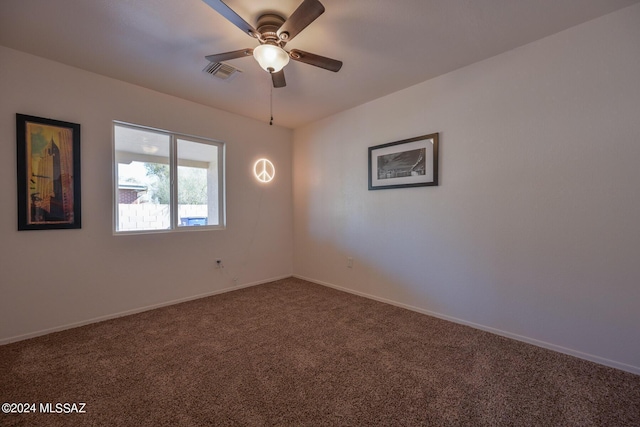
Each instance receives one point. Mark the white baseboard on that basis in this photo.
(596, 359)
(133, 311)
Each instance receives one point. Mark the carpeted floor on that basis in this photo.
(292, 353)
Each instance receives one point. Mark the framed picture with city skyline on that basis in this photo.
(48, 173)
(408, 163)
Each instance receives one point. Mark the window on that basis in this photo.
(166, 181)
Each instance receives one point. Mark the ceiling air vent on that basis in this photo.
(222, 71)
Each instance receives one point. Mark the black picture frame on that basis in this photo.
(410, 162)
(48, 155)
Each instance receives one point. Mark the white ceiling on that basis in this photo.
(385, 45)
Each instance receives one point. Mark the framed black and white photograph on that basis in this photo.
(408, 163)
(48, 173)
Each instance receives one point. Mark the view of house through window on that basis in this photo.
(148, 161)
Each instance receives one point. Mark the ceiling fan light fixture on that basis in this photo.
(270, 57)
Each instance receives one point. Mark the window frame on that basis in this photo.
(174, 221)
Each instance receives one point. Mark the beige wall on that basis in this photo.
(534, 231)
(56, 278)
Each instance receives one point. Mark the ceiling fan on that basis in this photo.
(274, 32)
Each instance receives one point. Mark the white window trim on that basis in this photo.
(174, 136)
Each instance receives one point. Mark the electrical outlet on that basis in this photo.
(349, 262)
(219, 263)
(235, 280)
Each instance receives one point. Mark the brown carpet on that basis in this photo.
(292, 353)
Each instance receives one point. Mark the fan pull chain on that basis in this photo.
(271, 104)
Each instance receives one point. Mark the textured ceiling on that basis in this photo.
(385, 45)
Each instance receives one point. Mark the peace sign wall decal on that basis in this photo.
(264, 170)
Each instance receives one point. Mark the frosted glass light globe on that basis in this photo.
(271, 58)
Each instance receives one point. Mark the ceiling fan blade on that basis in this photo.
(278, 79)
(317, 60)
(224, 10)
(304, 15)
(219, 57)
